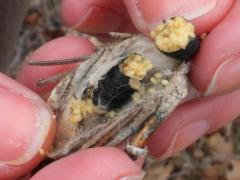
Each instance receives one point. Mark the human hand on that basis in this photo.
(189, 121)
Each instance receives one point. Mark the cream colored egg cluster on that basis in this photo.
(173, 35)
(81, 109)
(136, 67)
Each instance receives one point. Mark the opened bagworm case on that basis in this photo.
(124, 91)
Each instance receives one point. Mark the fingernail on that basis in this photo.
(185, 137)
(226, 77)
(24, 125)
(99, 20)
(155, 11)
(134, 177)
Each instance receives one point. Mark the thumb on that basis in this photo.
(26, 126)
(96, 163)
(205, 14)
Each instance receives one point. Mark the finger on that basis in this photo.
(216, 67)
(97, 163)
(96, 16)
(27, 125)
(61, 48)
(192, 120)
(205, 14)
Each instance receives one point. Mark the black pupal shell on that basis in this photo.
(187, 53)
(113, 90)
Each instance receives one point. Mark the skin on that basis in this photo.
(214, 74)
